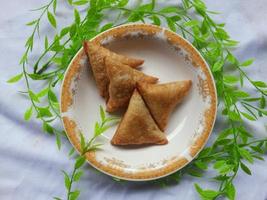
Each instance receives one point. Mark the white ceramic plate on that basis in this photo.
(168, 57)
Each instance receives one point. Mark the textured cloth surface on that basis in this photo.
(30, 163)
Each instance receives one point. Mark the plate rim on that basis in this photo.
(69, 124)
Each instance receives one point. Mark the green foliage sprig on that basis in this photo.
(234, 147)
(76, 174)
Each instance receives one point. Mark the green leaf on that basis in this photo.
(201, 165)
(82, 140)
(247, 63)
(64, 31)
(78, 175)
(230, 191)
(260, 84)
(58, 141)
(52, 96)
(54, 6)
(171, 24)
(232, 59)
(66, 180)
(74, 195)
(248, 116)
(15, 78)
(146, 7)
(73, 30)
(245, 168)
(240, 94)
(80, 2)
(217, 66)
(234, 116)
(79, 162)
(170, 9)
(219, 164)
(43, 92)
(77, 16)
(57, 198)
(206, 194)
(106, 27)
(156, 20)
(102, 114)
(262, 102)
(32, 23)
(46, 42)
(33, 96)
(230, 79)
(191, 23)
(123, 3)
(51, 19)
(194, 173)
(72, 150)
(47, 128)
(44, 112)
(28, 114)
(246, 154)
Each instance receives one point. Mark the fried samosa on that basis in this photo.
(96, 55)
(137, 126)
(161, 99)
(122, 83)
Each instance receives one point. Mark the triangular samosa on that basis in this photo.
(96, 55)
(137, 126)
(122, 83)
(161, 99)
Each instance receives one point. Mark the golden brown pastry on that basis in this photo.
(122, 83)
(161, 99)
(137, 126)
(96, 55)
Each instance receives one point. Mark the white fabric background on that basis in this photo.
(30, 163)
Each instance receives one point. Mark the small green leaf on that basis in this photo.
(82, 140)
(32, 23)
(77, 16)
(64, 31)
(74, 195)
(240, 94)
(145, 7)
(248, 116)
(73, 30)
(44, 112)
(123, 3)
(57, 198)
(51, 19)
(33, 96)
(230, 79)
(246, 154)
(78, 175)
(170, 9)
(247, 63)
(66, 180)
(217, 66)
(262, 102)
(234, 116)
(245, 168)
(58, 141)
(260, 84)
(15, 78)
(102, 114)
(80, 2)
(156, 20)
(72, 150)
(46, 42)
(232, 59)
(230, 191)
(206, 194)
(28, 114)
(52, 96)
(54, 6)
(43, 92)
(201, 165)
(194, 173)
(47, 128)
(79, 162)
(191, 23)
(106, 27)
(171, 24)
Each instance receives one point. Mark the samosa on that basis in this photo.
(161, 99)
(96, 55)
(122, 83)
(137, 126)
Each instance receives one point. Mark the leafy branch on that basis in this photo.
(76, 174)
